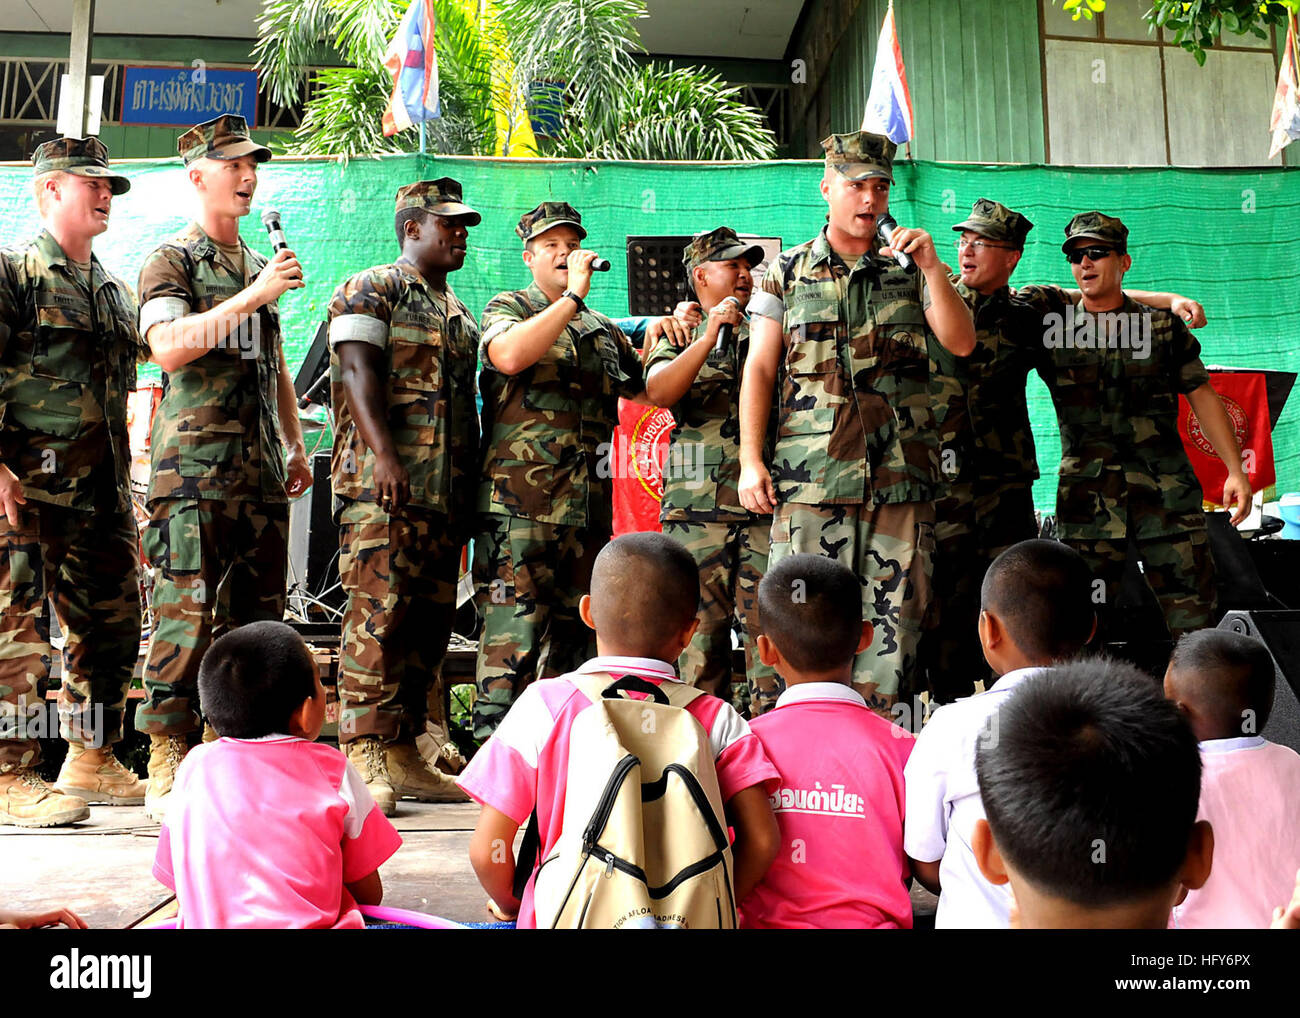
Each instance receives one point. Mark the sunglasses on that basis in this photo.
(1093, 254)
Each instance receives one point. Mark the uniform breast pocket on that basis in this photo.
(65, 345)
(213, 448)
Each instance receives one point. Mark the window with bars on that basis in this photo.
(1121, 94)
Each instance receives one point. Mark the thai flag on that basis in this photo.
(889, 106)
(413, 65)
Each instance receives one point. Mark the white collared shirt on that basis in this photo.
(943, 804)
(804, 691)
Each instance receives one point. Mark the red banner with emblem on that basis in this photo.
(1246, 402)
(637, 459)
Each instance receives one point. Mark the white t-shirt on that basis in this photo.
(943, 803)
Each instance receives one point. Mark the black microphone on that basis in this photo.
(726, 329)
(887, 224)
(271, 220)
(600, 265)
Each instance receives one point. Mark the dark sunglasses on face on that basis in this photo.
(1093, 254)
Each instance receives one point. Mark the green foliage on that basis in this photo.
(1198, 25)
(610, 105)
(662, 112)
(1083, 8)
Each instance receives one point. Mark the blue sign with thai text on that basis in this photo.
(185, 96)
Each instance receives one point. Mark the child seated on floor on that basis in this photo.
(269, 829)
(643, 603)
(1090, 790)
(1036, 609)
(1222, 683)
(840, 805)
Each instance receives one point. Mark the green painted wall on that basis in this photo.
(339, 219)
(973, 71)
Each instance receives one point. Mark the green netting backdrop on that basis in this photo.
(1231, 239)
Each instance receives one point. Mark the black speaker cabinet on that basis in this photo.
(1280, 633)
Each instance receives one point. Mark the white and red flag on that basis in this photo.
(889, 106)
(413, 66)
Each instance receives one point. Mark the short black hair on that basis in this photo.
(402, 217)
(1091, 780)
(810, 607)
(1226, 674)
(645, 589)
(253, 678)
(1042, 592)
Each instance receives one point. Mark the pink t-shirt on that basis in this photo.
(525, 763)
(1250, 794)
(840, 808)
(264, 833)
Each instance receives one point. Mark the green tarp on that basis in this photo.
(1231, 239)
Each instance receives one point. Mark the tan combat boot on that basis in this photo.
(27, 801)
(366, 754)
(97, 776)
(165, 755)
(413, 776)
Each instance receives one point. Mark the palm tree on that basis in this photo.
(608, 104)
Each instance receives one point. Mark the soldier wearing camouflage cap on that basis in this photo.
(701, 504)
(986, 448)
(68, 354)
(855, 466)
(218, 495)
(406, 438)
(552, 372)
(1115, 366)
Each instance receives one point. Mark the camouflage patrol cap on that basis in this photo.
(994, 220)
(1096, 226)
(860, 155)
(84, 157)
(719, 245)
(547, 215)
(442, 197)
(223, 137)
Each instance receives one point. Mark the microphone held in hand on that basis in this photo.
(887, 225)
(600, 265)
(271, 220)
(726, 330)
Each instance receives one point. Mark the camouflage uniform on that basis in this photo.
(67, 363)
(856, 461)
(1125, 477)
(546, 496)
(400, 569)
(986, 454)
(701, 503)
(218, 531)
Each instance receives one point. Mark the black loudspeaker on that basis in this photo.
(656, 278)
(1279, 631)
(314, 589)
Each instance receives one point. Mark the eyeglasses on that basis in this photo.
(1093, 254)
(981, 245)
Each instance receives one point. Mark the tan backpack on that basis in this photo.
(644, 840)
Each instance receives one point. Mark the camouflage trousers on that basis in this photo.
(529, 578)
(1178, 569)
(400, 573)
(216, 565)
(971, 529)
(87, 564)
(889, 548)
(732, 558)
